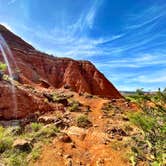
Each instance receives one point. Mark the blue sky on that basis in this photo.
(125, 39)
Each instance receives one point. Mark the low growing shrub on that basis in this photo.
(83, 121)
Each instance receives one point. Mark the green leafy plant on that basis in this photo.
(151, 145)
(3, 66)
(36, 126)
(36, 152)
(5, 140)
(142, 120)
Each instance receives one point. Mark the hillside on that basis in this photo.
(62, 112)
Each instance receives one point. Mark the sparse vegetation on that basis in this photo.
(142, 120)
(5, 140)
(83, 121)
(3, 67)
(35, 154)
(36, 133)
(74, 106)
(150, 145)
(36, 126)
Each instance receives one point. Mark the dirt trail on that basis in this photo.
(89, 149)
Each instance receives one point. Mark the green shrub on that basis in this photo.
(36, 126)
(74, 106)
(35, 154)
(5, 144)
(3, 66)
(5, 140)
(17, 159)
(83, 121)
(142, 120)
(107, 107)
(47, 131)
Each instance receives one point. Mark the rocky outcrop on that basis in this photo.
(41, 70)
(21, 104)
(34, 66)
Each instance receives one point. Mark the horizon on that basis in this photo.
(124, 40)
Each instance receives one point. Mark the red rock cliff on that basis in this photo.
(34, 66)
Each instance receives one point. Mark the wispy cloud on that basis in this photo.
(133, 56)
(148, 16)
(137, 61)
(11, 2)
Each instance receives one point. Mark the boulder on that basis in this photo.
(65, 138)
(22, 145)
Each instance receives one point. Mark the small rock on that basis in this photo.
(73, 130)
(119, 138)
(65, 138)
(22, 144)
(106, 141)
(60, 154)
(67, 156)
(73, 145)
(100, 162)
(82, 137)
(69, 162)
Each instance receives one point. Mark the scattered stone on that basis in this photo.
(125, 118)
(80, 132)
(119, 138)
(106, 141)
(60, 154)
(101, 117)
(44, 83)
(69, 162)
(22, 144)
(66, 86)
(62, 123)
(46, 119)
(67, 156)
(73, 145)
(65, 138)
(100, 162)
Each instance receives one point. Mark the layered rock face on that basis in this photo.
(41, 70)
(34, 66)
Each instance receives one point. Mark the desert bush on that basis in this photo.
(36, 126)
(152, 122)
(83, 121)
(107, 107)
(142, 120)
(36, 133)
(5, 144)
(3, 66)
(47, 131)
(17, 159)
(74, 106)
(36, 152)
(5, 140)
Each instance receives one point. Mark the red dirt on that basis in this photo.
(90, 151)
